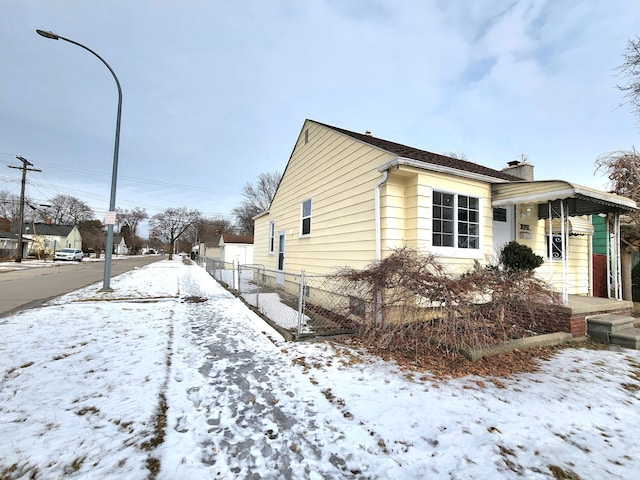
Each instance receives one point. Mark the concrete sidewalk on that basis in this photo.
(245, 408)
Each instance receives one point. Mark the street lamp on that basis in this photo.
(110, 220)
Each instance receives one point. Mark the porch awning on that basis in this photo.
(576, 226)
(579, 200)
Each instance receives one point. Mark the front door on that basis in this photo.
(503, 227)
(280, 275)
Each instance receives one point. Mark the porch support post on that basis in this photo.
(565, 254)
(550, 243)
(614, 279)
(616, 239)
(607, 238)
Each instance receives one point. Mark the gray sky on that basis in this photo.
(215, 92)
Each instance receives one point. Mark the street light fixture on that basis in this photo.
(110, 221)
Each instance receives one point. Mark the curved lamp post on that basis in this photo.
(114, 175)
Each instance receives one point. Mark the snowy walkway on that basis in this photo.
(171, 377)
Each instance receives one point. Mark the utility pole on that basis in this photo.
(24, 169)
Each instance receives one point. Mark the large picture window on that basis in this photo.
(456, 221)
(305, 218)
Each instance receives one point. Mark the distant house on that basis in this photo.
(8, 244)
(228, 248)
(121, 247)
(47, 238)
(349, 199)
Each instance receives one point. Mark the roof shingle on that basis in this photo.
(424, 156)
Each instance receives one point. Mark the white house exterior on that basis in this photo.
(228, 248)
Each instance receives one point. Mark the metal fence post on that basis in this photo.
(235, 281)
(301, 303)
(259, 281)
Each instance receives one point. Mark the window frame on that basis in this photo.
(272, 237)
(555, 247)
(458, 221)
(304, 217)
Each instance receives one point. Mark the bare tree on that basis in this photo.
(67, 210)
(622, 167)
(169, 225)
(257, 199)
(93, 235)
(457, 155)
(629, 71)
(210, 227)
(10, 206)
(128, 222)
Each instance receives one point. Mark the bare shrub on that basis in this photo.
(413, 302)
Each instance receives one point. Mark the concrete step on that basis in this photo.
(629, 338)
(601, 327)
(609, 322)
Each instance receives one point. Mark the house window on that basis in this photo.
(272, 236)
(456, 221)
(554, 248)
(305, 219)
(499, 214)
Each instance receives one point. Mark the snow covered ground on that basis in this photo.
(171, 377)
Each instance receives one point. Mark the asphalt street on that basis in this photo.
(27, 285)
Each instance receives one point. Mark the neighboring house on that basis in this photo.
(47, 238)
(349, 199)
(8, 244)
(228, 249)
(121, 247)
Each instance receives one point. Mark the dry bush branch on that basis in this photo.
(414, 303)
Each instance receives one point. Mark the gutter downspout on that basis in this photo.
(379, 185)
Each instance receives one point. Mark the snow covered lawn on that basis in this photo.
(172, 377)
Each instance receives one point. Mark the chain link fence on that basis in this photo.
(303, 305)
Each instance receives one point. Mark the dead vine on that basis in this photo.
(412, 303)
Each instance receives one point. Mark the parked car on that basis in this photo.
(68, 254)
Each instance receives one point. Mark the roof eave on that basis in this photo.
(396, 162)
(564, 191)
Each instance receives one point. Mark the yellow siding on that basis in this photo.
(578, 264)
(416, 199)
(509, 190)
(338, 174)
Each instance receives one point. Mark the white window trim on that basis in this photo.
(272, 237)
(310, 217)
(457, 252)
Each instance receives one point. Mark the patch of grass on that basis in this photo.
(61, 356)
(153, 465)
(328, 394)
(302, 361)
(75, 465)
(348, 357)
(561, 474)
(630, 387)
(19, 471)
(89, 409)
(506, 453)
